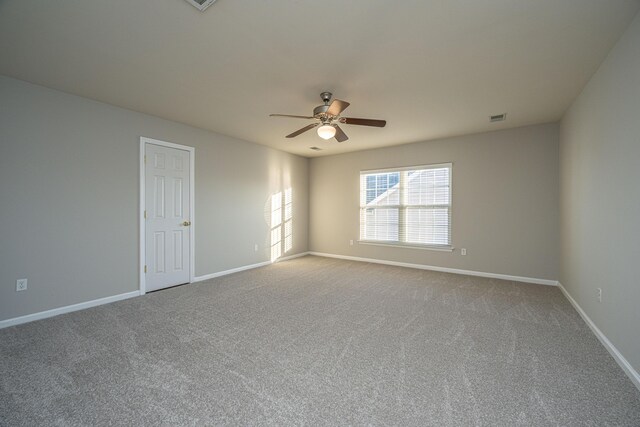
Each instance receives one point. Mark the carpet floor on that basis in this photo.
(318, 341)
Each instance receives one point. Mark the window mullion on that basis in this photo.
(403, 200)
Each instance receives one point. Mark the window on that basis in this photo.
(407, 206)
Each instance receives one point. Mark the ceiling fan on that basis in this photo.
(329, 116)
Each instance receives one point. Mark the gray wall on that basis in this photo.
(69, 172)
(505, 201)
(600, 196)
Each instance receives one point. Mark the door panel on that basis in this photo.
(167, 241)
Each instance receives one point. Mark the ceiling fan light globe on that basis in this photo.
(326, 131)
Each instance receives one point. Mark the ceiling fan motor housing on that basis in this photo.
(320, 110)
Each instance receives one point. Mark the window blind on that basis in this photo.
(406, 206)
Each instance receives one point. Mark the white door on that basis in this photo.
(167, 237)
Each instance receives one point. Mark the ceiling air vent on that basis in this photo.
(498, 117)
(316, 148)
(201, 5)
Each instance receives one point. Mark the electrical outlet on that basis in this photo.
(21, 285)
(463, 251)
(255, 247)
(599, 294)
(350, 242)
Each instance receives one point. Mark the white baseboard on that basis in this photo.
(246, 267)
(443, 269)
(619, 358)
(66, 309)
(93, 303)
(287, 258)
(230, 271)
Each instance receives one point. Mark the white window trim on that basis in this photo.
(408, 168)
(440, 248)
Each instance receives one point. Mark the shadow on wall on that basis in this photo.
(280, 220)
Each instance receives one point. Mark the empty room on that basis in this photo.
(223, 212)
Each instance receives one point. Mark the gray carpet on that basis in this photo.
(318, 341)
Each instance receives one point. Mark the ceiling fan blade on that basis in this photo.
(304, 129)
(363, 122)
(340, 135)
(337, 107)
(289, 115)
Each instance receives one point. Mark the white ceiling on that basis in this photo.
(431, 68)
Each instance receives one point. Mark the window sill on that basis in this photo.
(407, 246)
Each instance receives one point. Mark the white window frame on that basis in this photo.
(403, 206)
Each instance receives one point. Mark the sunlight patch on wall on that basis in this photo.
(281, 223)
(276, 227)
(288, 220)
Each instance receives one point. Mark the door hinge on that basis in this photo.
(145, 214)
(145, 158)
(145, 268)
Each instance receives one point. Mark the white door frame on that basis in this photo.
(143, 231)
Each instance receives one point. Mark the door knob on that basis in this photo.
(186, 223)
